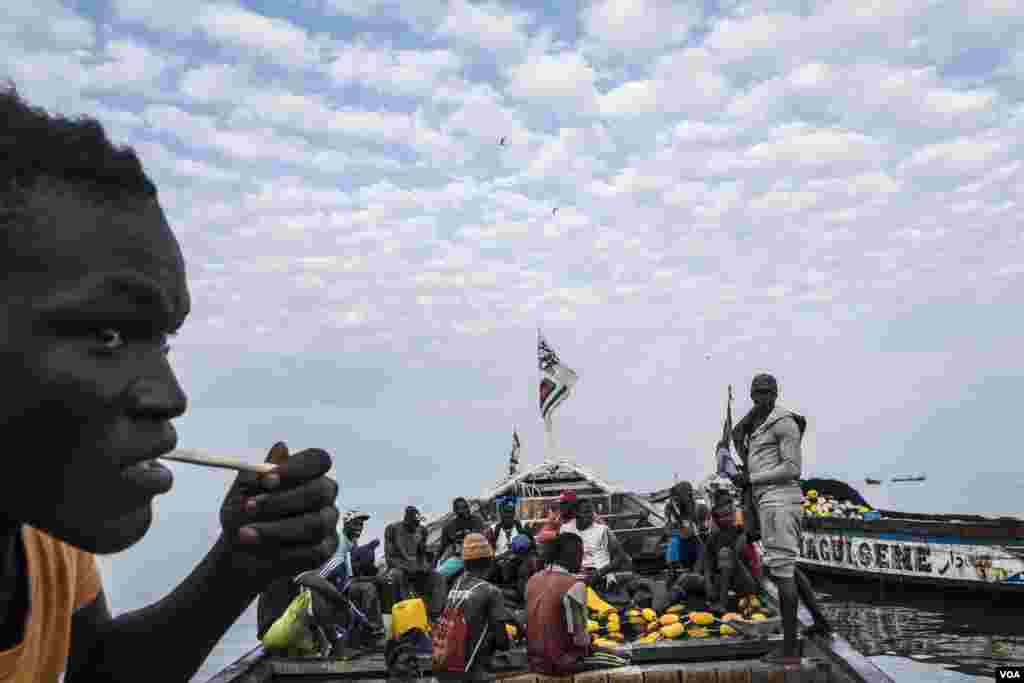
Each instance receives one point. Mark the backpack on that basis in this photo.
(450, 633)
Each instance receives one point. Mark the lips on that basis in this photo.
(167, 443)
(149, 476)
(146, 473)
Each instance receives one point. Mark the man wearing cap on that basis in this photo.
(339, 571)
(405, 552)
(768, 440)
(563, 513)
(483, 607)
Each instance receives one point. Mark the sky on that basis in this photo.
(829, 192)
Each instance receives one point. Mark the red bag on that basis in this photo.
(450, 632)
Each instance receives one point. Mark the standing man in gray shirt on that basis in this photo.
(769, 439)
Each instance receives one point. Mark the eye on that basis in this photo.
(115, 338)
(110, 338)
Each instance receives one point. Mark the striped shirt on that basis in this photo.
(342, 558)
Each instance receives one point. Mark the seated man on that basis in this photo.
(603, 555)
(556, 634)
(516, 557)
(559, 514)
(464, 522)
(683, 548)
(730, 562)
(501, 537)
(483, 608)
(339, 571)
(405, 552)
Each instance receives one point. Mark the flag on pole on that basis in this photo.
(513, 458)
(726, 466)
(557, 379)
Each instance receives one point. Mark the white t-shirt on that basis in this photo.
(504, 539)
(596, 553)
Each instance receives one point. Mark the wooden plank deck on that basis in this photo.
(752, 671)
(679, 654)
(727, 666)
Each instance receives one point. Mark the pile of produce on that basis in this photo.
(645, 626)
(827, 506)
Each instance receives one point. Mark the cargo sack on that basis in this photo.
(273, 602)
(450, 633)
(293, 632)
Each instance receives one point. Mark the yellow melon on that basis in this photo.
(672, 630)
(701, 618)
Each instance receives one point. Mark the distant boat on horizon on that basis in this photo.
(869, 480)
(919, 477)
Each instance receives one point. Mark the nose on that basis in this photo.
(159, 396)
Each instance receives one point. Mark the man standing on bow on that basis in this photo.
(768, 440)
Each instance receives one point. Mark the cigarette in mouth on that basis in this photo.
(194, 458)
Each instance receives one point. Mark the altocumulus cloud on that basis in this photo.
(819, 190)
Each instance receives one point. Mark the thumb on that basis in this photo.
(278, 454)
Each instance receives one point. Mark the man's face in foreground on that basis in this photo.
(90, 293)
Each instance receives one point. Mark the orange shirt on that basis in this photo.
(62, 579)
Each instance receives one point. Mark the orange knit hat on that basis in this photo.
(476, 547)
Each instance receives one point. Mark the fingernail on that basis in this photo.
(271, 481)
(251, 504)
(248, 535)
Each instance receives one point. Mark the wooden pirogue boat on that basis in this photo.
(687, 661)
(946, 551)
(638, 522)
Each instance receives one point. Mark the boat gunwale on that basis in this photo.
(1000, 587)
(1012, 529)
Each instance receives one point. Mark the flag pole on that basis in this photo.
(549, 434)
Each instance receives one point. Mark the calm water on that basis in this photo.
(924, 635)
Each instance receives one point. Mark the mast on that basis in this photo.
(513, 458)
(725, 466)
